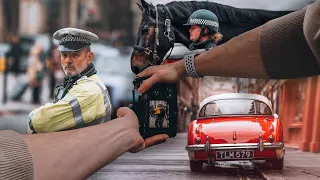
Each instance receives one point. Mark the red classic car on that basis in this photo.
(235, 126)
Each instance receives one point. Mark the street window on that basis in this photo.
(300, 100)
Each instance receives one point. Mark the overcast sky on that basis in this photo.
(275, 5)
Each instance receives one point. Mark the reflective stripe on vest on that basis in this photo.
(107, 102)
(30, 117)
(76, 109)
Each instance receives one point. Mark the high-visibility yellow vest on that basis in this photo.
(2, 64)
(86, 103)
(157, 111)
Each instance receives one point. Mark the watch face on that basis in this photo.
(158, 114)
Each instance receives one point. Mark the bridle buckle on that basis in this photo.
(147, 51)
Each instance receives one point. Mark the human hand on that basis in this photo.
(168, 73)
(139, 143)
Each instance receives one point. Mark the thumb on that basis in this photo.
(124, 111)
(157, 139)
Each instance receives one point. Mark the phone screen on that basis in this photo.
(158, 114)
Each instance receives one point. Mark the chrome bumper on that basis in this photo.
(255, 146)
(278, 146)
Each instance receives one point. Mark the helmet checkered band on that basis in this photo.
(74, 39)
(204, 22)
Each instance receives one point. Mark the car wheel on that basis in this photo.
(277, 164)
(196, 166)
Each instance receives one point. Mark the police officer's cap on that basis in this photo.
(204, 17)
(73, 39)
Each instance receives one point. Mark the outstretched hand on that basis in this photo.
(140, 143)
(167, 73)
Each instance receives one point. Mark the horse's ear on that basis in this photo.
(145, 5)
(140, 6)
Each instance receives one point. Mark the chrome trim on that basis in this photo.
(207, 148)
(201, 147)
(260, 144)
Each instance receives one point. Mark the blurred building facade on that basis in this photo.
(108, 18)
(297, 103)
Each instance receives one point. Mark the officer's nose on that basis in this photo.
(69, 60)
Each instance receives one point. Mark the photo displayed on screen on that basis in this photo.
(158, 114)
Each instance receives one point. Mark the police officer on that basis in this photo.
(160, 113)
(82, 99)
(204, 30)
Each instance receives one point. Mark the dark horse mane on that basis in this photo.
(233, 21)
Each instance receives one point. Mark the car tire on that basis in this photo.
(277, 164)
(196, 166)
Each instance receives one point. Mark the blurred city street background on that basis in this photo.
(26, 29)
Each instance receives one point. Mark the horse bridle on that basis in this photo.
(156, 44)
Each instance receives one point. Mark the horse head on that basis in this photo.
(155, 37)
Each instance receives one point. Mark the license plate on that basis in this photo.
(234, 154)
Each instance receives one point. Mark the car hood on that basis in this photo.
(235, 129)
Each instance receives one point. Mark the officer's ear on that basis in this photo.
(90, 56)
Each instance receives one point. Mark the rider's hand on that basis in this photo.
(133, 124)
(168, 73)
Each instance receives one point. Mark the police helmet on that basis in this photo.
(204, 18)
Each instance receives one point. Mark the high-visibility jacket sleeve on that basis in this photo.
(81, 105)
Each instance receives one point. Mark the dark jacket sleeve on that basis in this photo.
(284, 49)
(15, 159)
(311, 28)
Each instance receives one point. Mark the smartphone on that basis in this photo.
(157, 109)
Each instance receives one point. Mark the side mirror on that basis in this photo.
(275, 115)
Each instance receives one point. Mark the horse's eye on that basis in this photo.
(144, 31)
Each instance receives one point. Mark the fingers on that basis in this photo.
(150, 71)
(124, 111)
(148, 83)
(154, 140)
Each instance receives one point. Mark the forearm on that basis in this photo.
(239, 57)
(79, 153)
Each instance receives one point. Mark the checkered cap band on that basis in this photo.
(204, 22)
(70, 39)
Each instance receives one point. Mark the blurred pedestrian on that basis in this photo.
(54, 69)
(35, 72)
(14, 54)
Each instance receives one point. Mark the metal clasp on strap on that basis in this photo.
(147, 51)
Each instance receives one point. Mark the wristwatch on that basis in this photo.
(190, 65)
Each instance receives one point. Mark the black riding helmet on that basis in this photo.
(205, 19)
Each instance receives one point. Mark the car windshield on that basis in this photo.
(235, 107)
(113, 64)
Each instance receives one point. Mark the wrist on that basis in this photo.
(130, 130)
(180, 68)
(189, 63)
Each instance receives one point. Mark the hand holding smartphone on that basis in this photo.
(157, 109)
